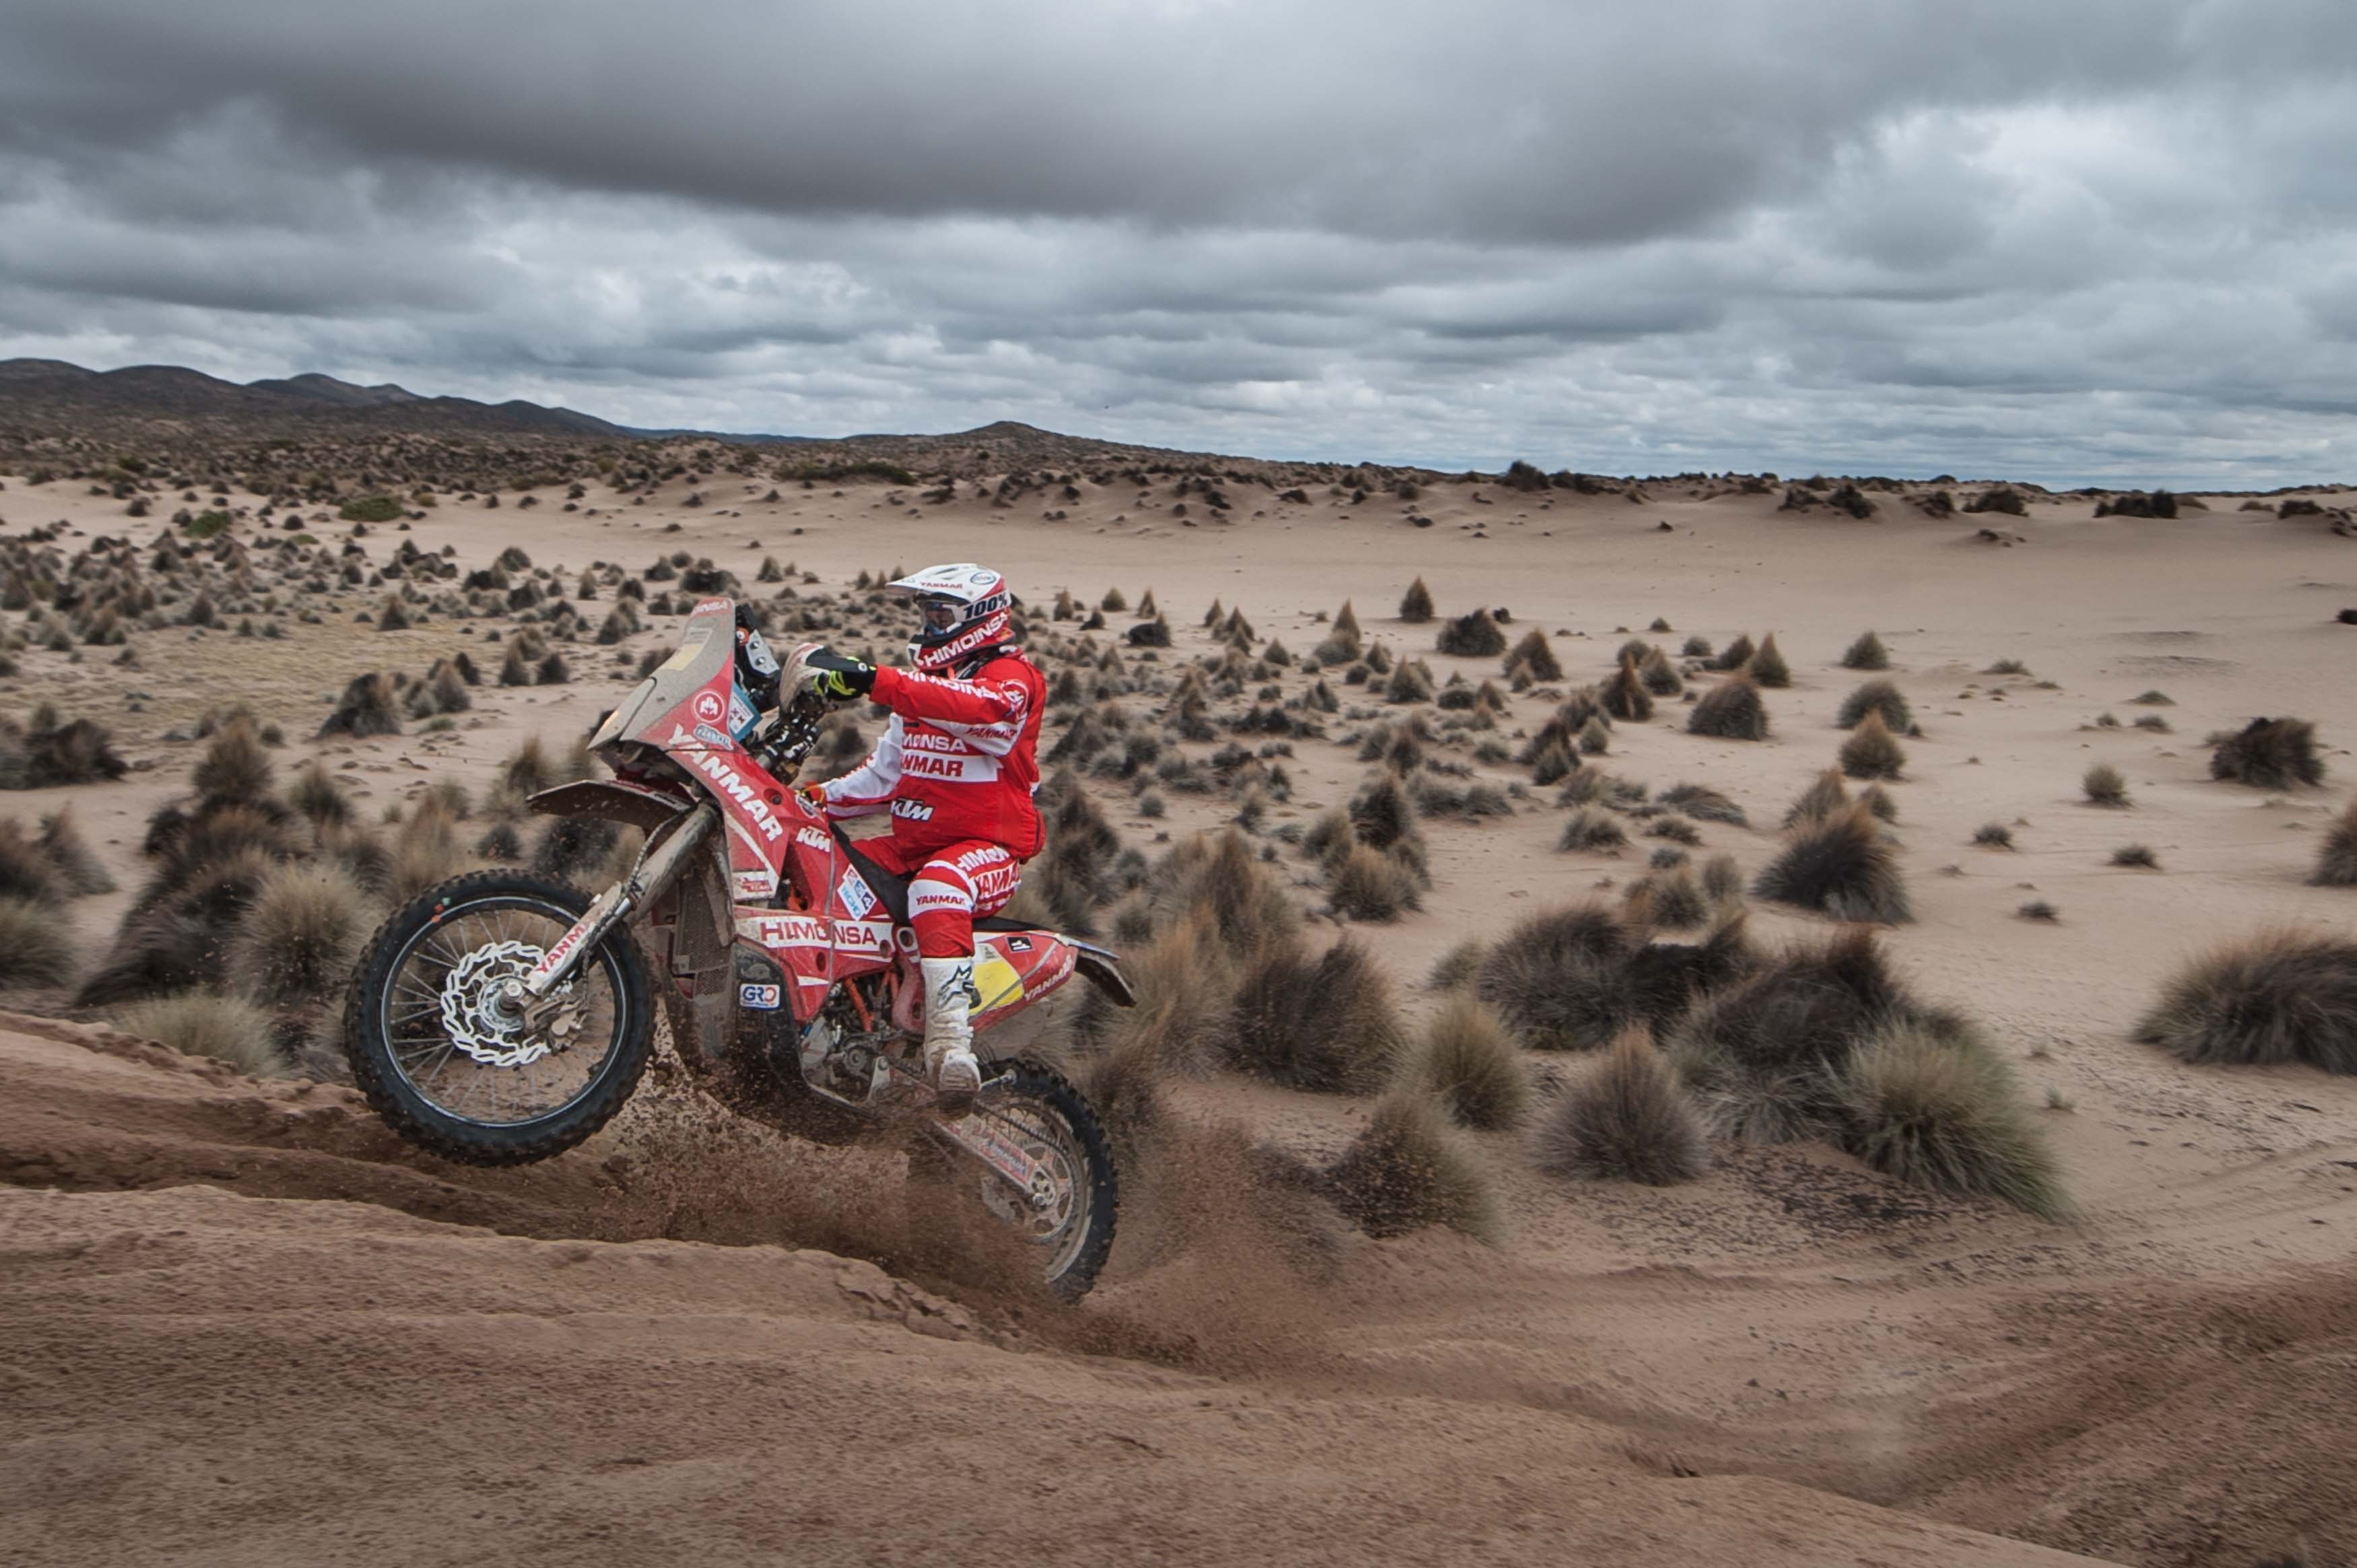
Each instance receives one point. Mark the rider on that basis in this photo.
(956, 767)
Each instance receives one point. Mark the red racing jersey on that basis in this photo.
(959, 760)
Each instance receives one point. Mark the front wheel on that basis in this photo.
(443, 1062)
(1066, 1209)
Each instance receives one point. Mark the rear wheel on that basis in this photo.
(449, 1067)
(1067, 1207)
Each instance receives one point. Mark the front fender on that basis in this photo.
(611, 801)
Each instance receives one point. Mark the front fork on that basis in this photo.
(659, 864)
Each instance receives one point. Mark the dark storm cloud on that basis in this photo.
(1690, 232)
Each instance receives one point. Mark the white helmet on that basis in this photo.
(966, 609)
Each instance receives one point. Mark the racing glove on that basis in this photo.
(833, 676)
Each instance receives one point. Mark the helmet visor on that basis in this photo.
(940, 613)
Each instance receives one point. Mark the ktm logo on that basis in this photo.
(912, 810)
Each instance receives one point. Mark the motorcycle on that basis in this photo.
(502, 1017)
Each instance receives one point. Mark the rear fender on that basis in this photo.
(1100, 967)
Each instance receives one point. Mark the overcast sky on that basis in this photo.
(2072, 240)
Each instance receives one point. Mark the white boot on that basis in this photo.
(949, 1027)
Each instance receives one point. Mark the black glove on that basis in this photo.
(835, 677)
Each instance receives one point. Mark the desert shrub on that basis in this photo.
(2273, 754)
(1669, 899)
(2137, 503)
(1244, 908)
(1365, 883)
(1592, 831)
(36, 948)
(1993, 835)
(1465, 1062)
(1557, 978)
(1703, 804)
(1555, 761)
(1767, 666)
(1155, 633)
(2136, 854)
(1416, 605)
(1735, 654)
(2040, 910)
(1624, 695)
(2104, 786)
(1595, 736)
(297, 942)
(1410, 682)
(1730, 711)
(367, 707)
(1185, 981)
(2001, 498)
(1840, 865)
(317, 796)
(1626, 1119)
(2280, 997)
(1695, 648)
(2336, 859)
(1534, 659)
(199, 1024)
(26, 871)
(77, 864)
(1940, 1110)
(1867, 653)
(1877, 697)
(51, 751)
(1722, 878)
(1660, 676)
(1409, 1169)
(1871, 751)
(369, 508)
(1472, 636)
(1328, 1024)
(234, 768)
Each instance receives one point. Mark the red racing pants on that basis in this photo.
(948, 887)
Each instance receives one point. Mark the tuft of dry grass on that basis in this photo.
(1993, 835)
(2272, 754)
(1823, 798)
(1458, 966)
(1592, 831)
(2336, 858)
(2136, 854)
(1534, 659)
(1626, 1119)
(1940, 1110)
(1328, 1024)
(317, 796)
(1559, 978)
(201, 1024)
(1730, 711)
(1840, 865)
(1367, 884)
(1867, 653)
(234, 769)
(297, 942)
(1767, 666)
(1877, 697)
(26, 871)
(61, 840)
(2279, 996)
(1409, 1169)
(1624, 695)
(35, 947)
(368, 707)
(2106, 787)
(1872, 751)
(1473, 636)
(1466, 1061)
(1416, 605)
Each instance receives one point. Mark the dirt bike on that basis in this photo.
(502, 1017)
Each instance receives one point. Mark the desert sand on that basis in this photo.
(246, 1325)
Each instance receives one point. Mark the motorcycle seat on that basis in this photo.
(893, 892)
